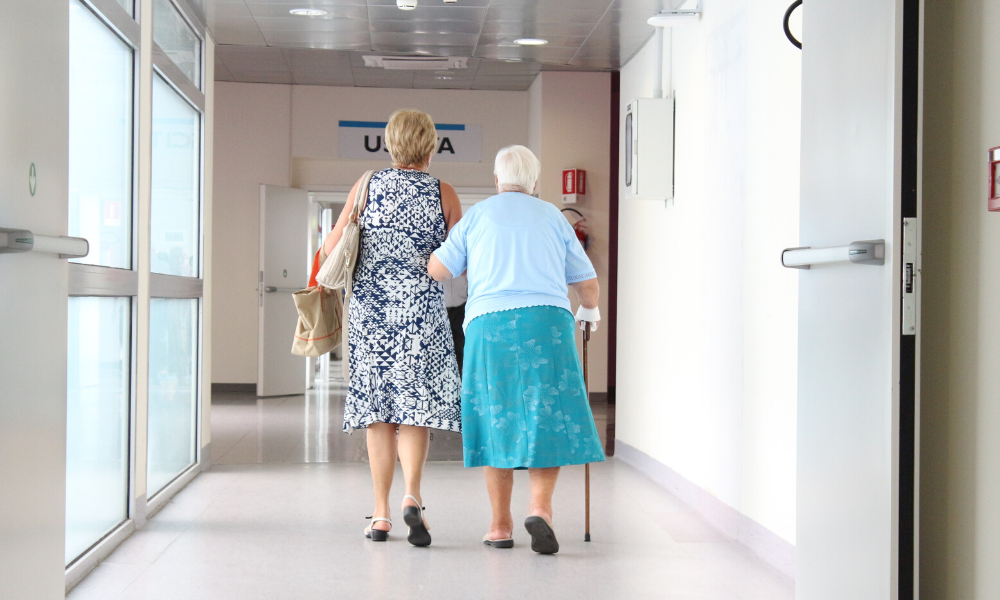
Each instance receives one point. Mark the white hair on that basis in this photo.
(517, 169)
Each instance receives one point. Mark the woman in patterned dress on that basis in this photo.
(404, 377)
(524, 403)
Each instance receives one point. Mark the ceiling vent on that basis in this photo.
(416, 63)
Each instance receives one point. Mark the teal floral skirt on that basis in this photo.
(523, 400)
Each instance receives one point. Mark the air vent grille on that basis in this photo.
(416, 63)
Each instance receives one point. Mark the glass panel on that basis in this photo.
(100, 140)
(173, 389)
(176, 38)
(97, 420)
(176, 211)
(129, 6)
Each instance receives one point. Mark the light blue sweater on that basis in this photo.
(520, 251)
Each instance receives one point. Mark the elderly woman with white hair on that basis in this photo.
(524, 403)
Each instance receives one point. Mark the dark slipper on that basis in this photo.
(501, 543)
(543, 538)
(414, 518)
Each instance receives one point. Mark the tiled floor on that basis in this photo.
(280, 516)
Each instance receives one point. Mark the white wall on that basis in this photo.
(960, 381)
(706, 314)
(569, 116)
(287, 135)
(252, 146)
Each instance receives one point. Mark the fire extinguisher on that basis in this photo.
(581, 229)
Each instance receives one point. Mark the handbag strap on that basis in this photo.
(361, 198)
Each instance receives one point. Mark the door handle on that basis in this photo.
(14, 241)
(870, 252)
(271, 290)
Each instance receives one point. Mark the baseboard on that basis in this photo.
(598, 397)
(205, 456)
(84, 565)
(763, 542)
(244, 388)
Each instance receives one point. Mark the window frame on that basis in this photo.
(94, 280)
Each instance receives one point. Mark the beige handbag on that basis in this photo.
(320, 326)
(338, 269)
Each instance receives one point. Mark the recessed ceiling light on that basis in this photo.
(531, 42)
(308, 12)
(406, 4)
(443, 77)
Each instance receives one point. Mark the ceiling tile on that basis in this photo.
(423, 50)
(538, 53)
(499, 67)
(406, 26)
(381, 39)
(219, 14)
(553, 4)
(313, 59)
(292, 24)
(319, 39)
(531, 29)
(337, 11)
(241, 58)
(431, 3)
(239, 37)
(554, 41)
(428, 13)
(544, 15)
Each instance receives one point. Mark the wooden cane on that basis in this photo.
(586, 468)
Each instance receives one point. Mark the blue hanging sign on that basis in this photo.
(365, 140)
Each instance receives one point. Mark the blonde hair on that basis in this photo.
(410, 137)
(517, 169)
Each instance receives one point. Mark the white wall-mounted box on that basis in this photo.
(649, 148)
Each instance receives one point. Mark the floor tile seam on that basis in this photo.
(189, 524)
(233, 447)
(130, 581)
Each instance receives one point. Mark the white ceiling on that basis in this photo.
(262, 42)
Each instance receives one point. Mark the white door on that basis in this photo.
(284, 269)
(34, 113)
(856, 397)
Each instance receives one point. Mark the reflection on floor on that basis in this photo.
(280, 515)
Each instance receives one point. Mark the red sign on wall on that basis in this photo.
(574, 184)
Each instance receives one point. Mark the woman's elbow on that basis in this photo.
(437, 270)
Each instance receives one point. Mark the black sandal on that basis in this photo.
(543, 538)
(377, 535)
(501, 543)
(414, 518)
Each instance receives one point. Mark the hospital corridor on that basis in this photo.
(535, 299)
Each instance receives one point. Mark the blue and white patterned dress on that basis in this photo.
(402, 356)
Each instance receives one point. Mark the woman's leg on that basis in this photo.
(500, 484)
(413, 444)
(543, 484)
(382, 460)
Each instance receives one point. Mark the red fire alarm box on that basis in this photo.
(574, 185)
(994, 202)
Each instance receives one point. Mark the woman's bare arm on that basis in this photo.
(437, 270)
(338, 230)
(588, 292)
